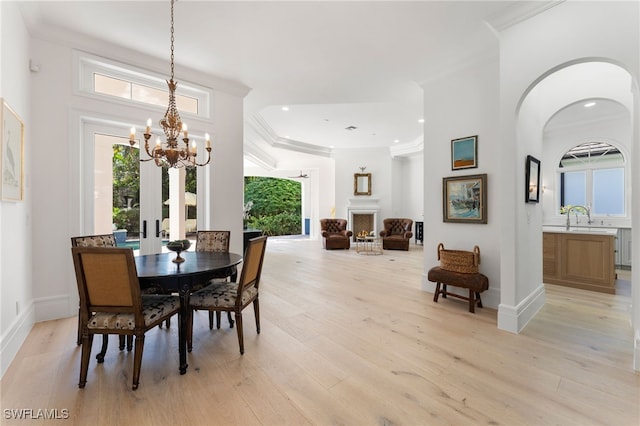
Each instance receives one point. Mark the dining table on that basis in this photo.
(160, 273)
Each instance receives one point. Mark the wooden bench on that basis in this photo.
(475, 282)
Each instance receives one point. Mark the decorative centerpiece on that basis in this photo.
(178, 246)
(362, 234)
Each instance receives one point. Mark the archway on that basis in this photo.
(555, 90)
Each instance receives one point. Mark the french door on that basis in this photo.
(121, 194)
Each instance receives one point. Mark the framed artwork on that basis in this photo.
(464, 199)
(464, 153)
(532, 180)
(12, 155)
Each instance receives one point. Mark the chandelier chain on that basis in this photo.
(172, 39)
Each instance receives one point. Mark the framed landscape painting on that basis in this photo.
(464, 199)
(12, 154)
(464, 153)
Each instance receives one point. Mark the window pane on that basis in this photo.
(159, 97)
(608, 192)
(149, 95)
(111, 86)
(575, 193)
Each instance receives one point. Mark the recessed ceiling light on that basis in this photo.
(589, 104)
(285, 108)
(421, 120)
(396, 140)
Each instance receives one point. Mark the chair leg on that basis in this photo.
(137, 360)
(436, 294)
(230, 319)
(103, 350)
(256, 311)
(219, 319)
(239, 329)
(87, 342)
(129, 342)
(190, 312)
(211, 321)
(121, 340)
(79, 341)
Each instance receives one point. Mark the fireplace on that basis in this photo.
(363, 215)
(362, 222)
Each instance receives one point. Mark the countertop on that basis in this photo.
(589, 230)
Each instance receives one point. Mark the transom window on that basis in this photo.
(103, 77)
(593, 174)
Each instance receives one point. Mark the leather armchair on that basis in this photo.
(396, 233)
(335, 234)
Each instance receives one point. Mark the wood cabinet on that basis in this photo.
(579, 260)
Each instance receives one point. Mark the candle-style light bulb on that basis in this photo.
(148, 126)
(184, 129)
(158, 143)
(132, 136)
(194, 148)
(208, 139)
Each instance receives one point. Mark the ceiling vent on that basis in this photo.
(350, 128)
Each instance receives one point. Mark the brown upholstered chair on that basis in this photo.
(111, 303)
(233, 297)
(217, 241)
(335, 234)
(396, 233)
(102, 240)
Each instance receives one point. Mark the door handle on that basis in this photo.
(157, 228)
(144, 229)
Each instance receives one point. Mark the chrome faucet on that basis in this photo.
(584, 209)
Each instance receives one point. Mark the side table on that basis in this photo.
(368, 245)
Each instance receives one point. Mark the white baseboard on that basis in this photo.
(515, 318)
(15, 336)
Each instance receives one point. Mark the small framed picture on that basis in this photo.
(464, 153)
(12, 154)
(464, 199)
(532, 180)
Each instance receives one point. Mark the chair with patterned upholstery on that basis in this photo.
(396, 233)
(217, 241)
(335, 234)
(102, 240)
(233, 297)
(111, 303)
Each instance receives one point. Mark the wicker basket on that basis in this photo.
(465, 262)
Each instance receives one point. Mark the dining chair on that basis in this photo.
(111, 303)
(233, 297)
(101, 240)
(217, 241)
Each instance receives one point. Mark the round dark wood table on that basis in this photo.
(160, 272)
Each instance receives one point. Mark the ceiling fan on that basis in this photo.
(300, 176)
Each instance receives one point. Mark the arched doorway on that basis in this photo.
(564, 86)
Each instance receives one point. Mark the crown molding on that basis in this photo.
(406, 149)
(262, 128)
(518, 12)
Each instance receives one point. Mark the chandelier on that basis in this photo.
(170, 154)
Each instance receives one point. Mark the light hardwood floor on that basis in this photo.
(349, 339)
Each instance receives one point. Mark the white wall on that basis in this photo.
(16, 309)
(528, 52)
(460, 104)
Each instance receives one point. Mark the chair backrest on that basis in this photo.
(333, 225)
(215, 241)
(103, 240)
(252, 265)
(107, 281)
(395, 226)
